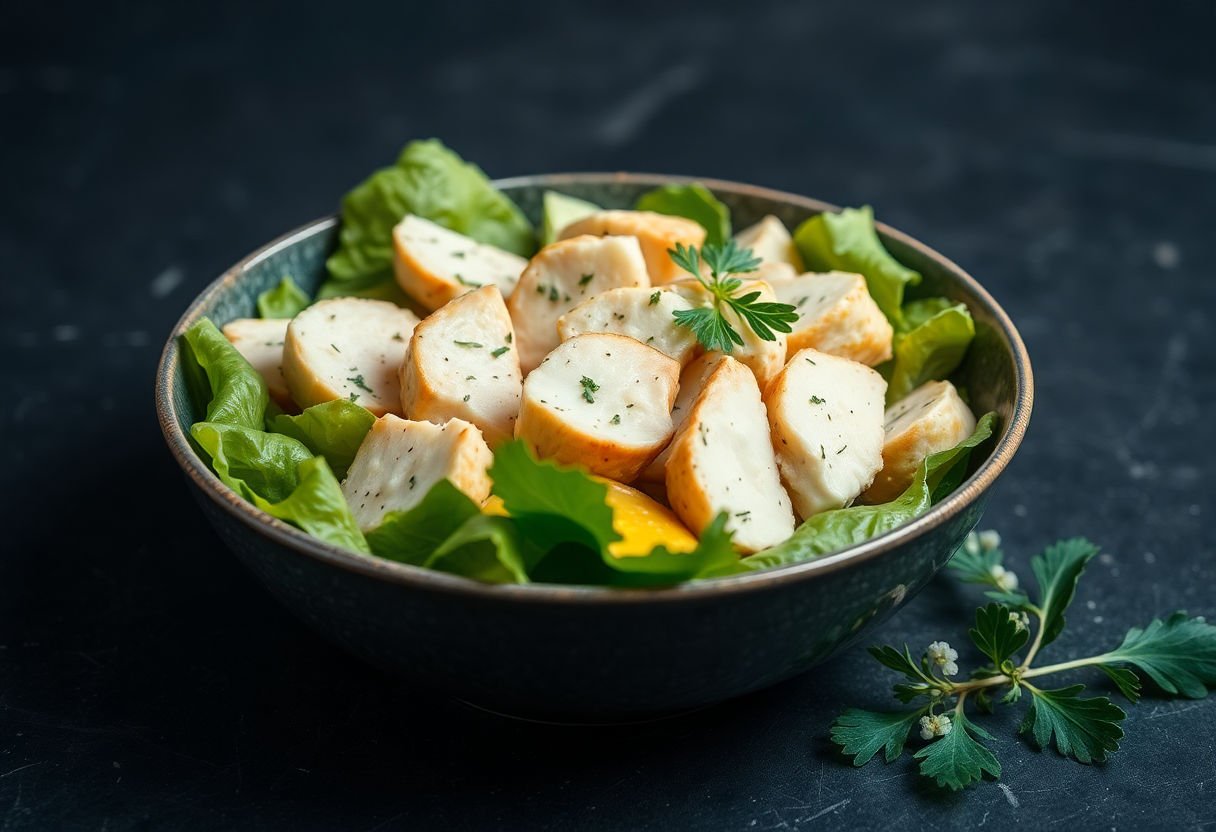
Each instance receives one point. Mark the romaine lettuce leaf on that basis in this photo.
(559, 211)
(237, 392)
(276, 473)
(433, 182)
(695, 202)
(485, 548)
(931, 349)
(552, 505)
(848, 242)
(335, 430)
(413, 536)
(832, 531)
(283, 301)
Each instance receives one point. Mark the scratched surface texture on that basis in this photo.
(1065, 155)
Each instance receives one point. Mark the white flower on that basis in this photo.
(1004, 578)
(971, 545)
(934, 726)
(1020, 620)
(989, 540)
(943, 655)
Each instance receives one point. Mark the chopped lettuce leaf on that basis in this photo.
(552, 505)
(848, 242)
(276, 473)
(413, 536)
(932, 349)
(433, 182)
(832, 531)
(237, 391)
(335, 430)
(283, 301)
(695, 202)
(485, 548)
(317, 506)
(559, 211)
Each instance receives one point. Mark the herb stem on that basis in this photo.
(1038, 639)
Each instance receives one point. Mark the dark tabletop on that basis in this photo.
(1065, 155)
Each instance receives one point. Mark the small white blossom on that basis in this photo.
(934, 726)
(944, 656)
(989, 540)
(971, 545)
(1020, 619)
(1004, 578)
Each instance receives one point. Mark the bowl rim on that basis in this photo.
(418, 577)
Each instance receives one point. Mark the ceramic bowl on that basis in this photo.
(570, 653)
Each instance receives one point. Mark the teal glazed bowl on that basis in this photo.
(589, 654)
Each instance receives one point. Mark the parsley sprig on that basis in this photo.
(1178, 654)
(709, 323)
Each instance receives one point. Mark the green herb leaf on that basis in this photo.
(1125, 680)
(862, 734)
(958, 759)
(589, 389)
(996, 634)
(710, 323)
(1084, 729)
(848, 242)
(694, 202)
(1178, 654)
(713, 331)
(899, 662)
(831, 531)
(495, 353)
(334, 429)
(1057, 570)
(433, 182)
(283, 301)
(472, 345)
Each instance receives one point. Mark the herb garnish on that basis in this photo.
(358, 382)
(585, 279)
(589, 389)
(463, 282)
(499, 351)
(654, 297)
(709, 324)
(1178, 654)
(817, 400)
(472, 345)
(616, 419)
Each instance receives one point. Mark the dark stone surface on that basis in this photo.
(1065, 155)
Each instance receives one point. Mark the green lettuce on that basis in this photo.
(434, 183)
(932, 348)
(695, 202)
(234, 392)
(413, 536)
(283, 301)
(276, 473)
(560, 210)
(832, 531)
(848, 242)
(335, 430)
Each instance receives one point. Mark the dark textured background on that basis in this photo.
(1065, 153)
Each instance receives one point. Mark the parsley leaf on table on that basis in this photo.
(1178, 654)
(958, 759)
(1084, 729)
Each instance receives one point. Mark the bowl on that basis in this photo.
(591, 654)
